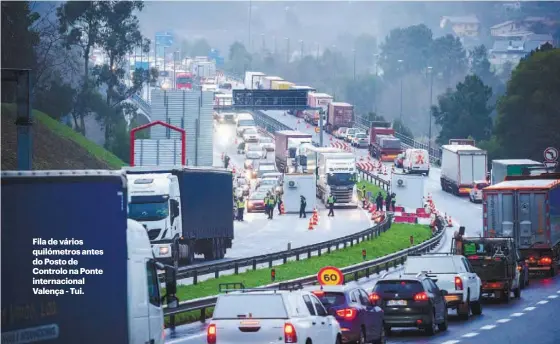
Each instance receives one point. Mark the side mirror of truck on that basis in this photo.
(170, 280)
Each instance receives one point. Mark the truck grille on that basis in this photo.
(153, 233)
(342, 196)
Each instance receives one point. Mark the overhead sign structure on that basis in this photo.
(329, 275)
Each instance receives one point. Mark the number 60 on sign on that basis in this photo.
(329, 275)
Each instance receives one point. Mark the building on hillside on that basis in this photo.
(462, 26)
(512, 50)
(520, 28)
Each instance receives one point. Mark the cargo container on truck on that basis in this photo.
(186, 211)
(267, 81)
(383, 144)
(299, 87)
(510, 167)
(204, 70)
(254, 80)
(317, 100)
(85, 211)
(461, 167)
(287, 143)
(339, 115)
(528, 211)
(281, 85)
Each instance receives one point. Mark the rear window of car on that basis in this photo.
(265, 140)
(398, 287)
(263, 167)
(436, 265)
(257, 196)
(330, 299)
(253, 306)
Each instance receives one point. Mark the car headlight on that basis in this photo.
(163, 250)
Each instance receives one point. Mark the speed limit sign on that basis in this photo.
(329, 275)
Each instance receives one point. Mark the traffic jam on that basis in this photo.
(422, 296)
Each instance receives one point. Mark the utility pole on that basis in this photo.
(431, 71)
(287, 50)
(274, 43)
(250, 19)
(401, 111)
(354, 52)
(301, 49)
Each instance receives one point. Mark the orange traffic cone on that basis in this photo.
(393, 169)
(385, 171)
(449, 222)
(235, 140)
(314, 220)
(282, 211)
(233, 170)
(310, 227)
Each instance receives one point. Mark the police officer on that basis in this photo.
(388, 199)
(393, 201)
(226, 161)
(265, 201)
(330, 203)
(240, 208)
(271, 203)
(279, 202)
(379, 201)
(302, 205)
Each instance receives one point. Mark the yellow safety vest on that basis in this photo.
(330, 200)
(241, 204)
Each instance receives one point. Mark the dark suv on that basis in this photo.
(411, 302)
(360, 320)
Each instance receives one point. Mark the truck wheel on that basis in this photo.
(506, 295)
(190, 253)
(476, 307)
(517, 293)
(552, 271)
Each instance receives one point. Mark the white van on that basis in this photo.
(416, 161)
(244, 121)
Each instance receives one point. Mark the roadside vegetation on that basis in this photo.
(395, 239)
(370, 187)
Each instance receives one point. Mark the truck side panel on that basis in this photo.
(499, 214)
(207, 207)
(88, 208)
(450, 165)
(532, 219)
(554, 215)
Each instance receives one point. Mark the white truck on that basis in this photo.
(253, 80)
(179, 229)
(461, 166)
(121, 288)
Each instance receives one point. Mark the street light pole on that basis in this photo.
(301, 48)
(431, 71)
(250, 18)
(274, 43)
(287, 50)
(401, 111)
(354, 52)
(263, 42)
(376, 57)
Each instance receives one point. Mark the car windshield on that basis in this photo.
(258, 196)
(250, 131)
(246, 123)
(341, 179)
(253, 148)
(330, 299)
(184, 80)
(361, 136)
(436, 265)
(265, 140)
(266, 167)
(153, 211)
(268, 182)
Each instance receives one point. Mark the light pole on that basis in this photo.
(287, 49)
(263, 42)
(376, 58)
(431, 71)
(354, 53)
(174, 69)
(400, 69)
(301, 48)
(274, 43)
(250, 18)
(317, 54)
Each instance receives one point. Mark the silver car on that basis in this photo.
(253, 152)
(360, 140)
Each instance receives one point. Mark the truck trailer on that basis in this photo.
(287, 143)
(461, 167)
(510, 167)
(254, 80)
(317, 100)
(383, 145)
(267, 81)
(75, 269)
(339, 115)
(186, 211)
(528, 211)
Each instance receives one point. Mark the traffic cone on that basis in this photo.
(371, 209)
(449, 222)
(233, 170)
(282, 211)
(235, 140)
(374, 215)
(393, 169)
(385, 171)
(298, 121)
(330, 138)
(310, 227)
(361, 158)
(307, 126)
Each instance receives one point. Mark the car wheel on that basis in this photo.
(443, 326)
(506, 295)
(382, 337)
(338, 339)
(464, 309)
(517, 293)
(432, 326)
(362, 339)
(476, 307)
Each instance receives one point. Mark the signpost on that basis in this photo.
(329, 275)
(551, 158)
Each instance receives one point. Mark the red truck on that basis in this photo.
(383, 144)
(184, 81)
(339, 115)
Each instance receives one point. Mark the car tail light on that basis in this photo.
(290, 335)
(421, 297)
(211, 334)
(374, 297)
(545, 261)
(347, 314)
(319, 293)
(458, 283)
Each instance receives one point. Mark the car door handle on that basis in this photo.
(313, 323)
(322, 323)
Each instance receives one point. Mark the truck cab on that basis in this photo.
(337, 176)
(154, 202)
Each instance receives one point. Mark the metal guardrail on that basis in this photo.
(353, 272)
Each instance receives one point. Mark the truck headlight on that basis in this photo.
(163, 250)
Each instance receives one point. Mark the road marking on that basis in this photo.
(187, 338)
(470, 335)
(529, 309)
(503, 321)
(558, 291)
(517, 314)
(488, 327)
(543, 302)
(553, 296)
(451, 342)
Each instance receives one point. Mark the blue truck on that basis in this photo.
(75, 269)
(186, 210)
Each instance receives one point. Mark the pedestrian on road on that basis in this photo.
(226, 161)
(363, 191)
(266, 207)
(240, 209)
(330, 203)
(302, 205)
(279, 202)
(271, 204)
(379, 201)
(388, 202)
(393, 201)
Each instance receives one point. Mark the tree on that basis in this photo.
(528, 114)
(365, 46)
(480, 66)
(464, 111)
(57, 100)
(411, 45)
(401, 128)
(239, 58)
(448, 55)
(200, 47)
(18, 39)
(361, 92)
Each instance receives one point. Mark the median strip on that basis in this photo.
(395, 239)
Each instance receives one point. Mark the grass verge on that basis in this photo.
(396, 239)
(68, 133)
(374, 189)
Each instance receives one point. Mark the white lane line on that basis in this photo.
(517, 314)
(470, 335)
(503, 321)
(553, 296)
(183, 339)
(451, 342)
(543, 302)
(529, 309)
(488, 327)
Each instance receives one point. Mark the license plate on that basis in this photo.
(396, 303)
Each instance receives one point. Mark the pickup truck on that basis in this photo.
(454, 274)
